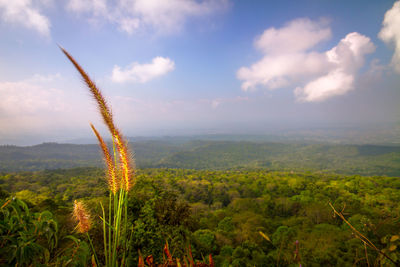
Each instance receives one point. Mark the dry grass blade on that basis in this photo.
(5, 204)
(264, 236)
(360, 236)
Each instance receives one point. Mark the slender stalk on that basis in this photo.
(360, 236)
(117, 225)
(126, 225)
(94, 251)
(113, 252)
(130, 238)
(119, 213)
(115, 230)
(109, 226)
(104, 234)
(366, 254)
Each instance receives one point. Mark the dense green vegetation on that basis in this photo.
(215, 155)
(222, 212)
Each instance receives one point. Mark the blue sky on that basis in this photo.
(194, 67)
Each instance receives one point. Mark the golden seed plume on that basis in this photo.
(101, 102)
(113, 182)
(105, 111)
(82, 217)
(126, 165)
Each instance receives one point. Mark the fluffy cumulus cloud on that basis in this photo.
(142, 73)
(131, 15)
(290, 59)
(298, 35)
(26, 14)
(346, 58)
(390, 32)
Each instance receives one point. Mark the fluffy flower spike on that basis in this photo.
(113, 182)
(82, 217)
(105, 111)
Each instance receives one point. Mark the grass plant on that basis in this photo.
(120, 174)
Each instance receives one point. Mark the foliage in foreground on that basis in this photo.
(26, 235)
(222, 212)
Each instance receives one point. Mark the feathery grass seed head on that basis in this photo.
(126, 162)
(113, 182)
(82, 217)
(105, 111)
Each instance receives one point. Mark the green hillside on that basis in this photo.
(215, 155)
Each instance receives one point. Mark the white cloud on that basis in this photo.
(45, 3)
(285, 55)
(159, 15)
(296, 36)
(23, 12)
(276, 71)
(390, 32)
(334, 83)
(97, 7)
(142, 73)
(129, 25)
(169, 16)
(348, 58)
(289, 60)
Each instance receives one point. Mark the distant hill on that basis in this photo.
(214, 155)
(346, 159)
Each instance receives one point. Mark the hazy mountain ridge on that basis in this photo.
(217, 155)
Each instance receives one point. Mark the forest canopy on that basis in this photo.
(222, 212)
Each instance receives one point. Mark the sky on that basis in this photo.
(182, 67)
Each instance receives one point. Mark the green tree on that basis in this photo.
(27, 239)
